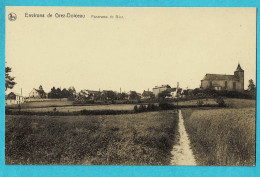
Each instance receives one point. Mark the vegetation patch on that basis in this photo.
(222, 136)
(129, 139)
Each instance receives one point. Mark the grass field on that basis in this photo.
(223, 136)
(130, 139)
(79, 108)
(64, 105)
(46, 103)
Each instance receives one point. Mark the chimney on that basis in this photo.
(177, 85)
(21, 92)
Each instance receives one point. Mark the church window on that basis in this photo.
(225, 84)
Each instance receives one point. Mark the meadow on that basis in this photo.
(223, 136)
(79, 108)
(129, 139)
(44, 103)
(64, 105)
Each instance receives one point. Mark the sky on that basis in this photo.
(148, 47)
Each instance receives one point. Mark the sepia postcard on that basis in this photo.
(169, 86)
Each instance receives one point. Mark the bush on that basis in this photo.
(166, 106)
(135, 108)
(200, 102)
(142, 108)
(221, 102)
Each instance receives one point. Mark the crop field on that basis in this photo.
(223, 136)
(79, 108)
(129, 139)
(67, 106)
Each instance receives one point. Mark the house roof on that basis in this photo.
(35, 90)
(162, 86)
(219, 77)
(13, 93)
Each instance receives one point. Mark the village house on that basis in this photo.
(34, 94)
(147, 94)
(175, 92)
(90, 94)
(159, 89)
(225, 82)
(14, 98)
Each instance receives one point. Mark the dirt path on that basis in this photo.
(181, 151)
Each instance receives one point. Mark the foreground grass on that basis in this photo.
(134, 139)
(222, 136)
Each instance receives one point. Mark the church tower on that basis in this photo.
(239, 74)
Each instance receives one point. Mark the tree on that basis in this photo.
(71, 93)
(52, 93)
(64, 93)
(109, 94)
(252, 89)
(134, 96)
(251, 86)
(42, 92)
(58, 93)
(9, 80)
(164, 94)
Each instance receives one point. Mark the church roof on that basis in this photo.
(219, 77)
(239, 68)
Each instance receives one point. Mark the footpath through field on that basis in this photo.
(181, 152)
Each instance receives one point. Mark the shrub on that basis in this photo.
(135, 108)
(200, 102)
(142, 108)
(221, 102)
(166, 106)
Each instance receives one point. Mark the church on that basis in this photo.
(225, 82)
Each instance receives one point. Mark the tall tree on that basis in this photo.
(164, 94)
(251, 85)
(133, 95)
(42, 92)
(9, 80)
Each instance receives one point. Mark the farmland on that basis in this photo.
(223, 136)
(67, 106)
(45, 103)
(130, 139)
(79, 108)
(218, 136)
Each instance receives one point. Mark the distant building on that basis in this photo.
(225, 82)
(34, 94)
(14, 98)
(90, 94)
(147, 94)
(159, 89)
(175, 92)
